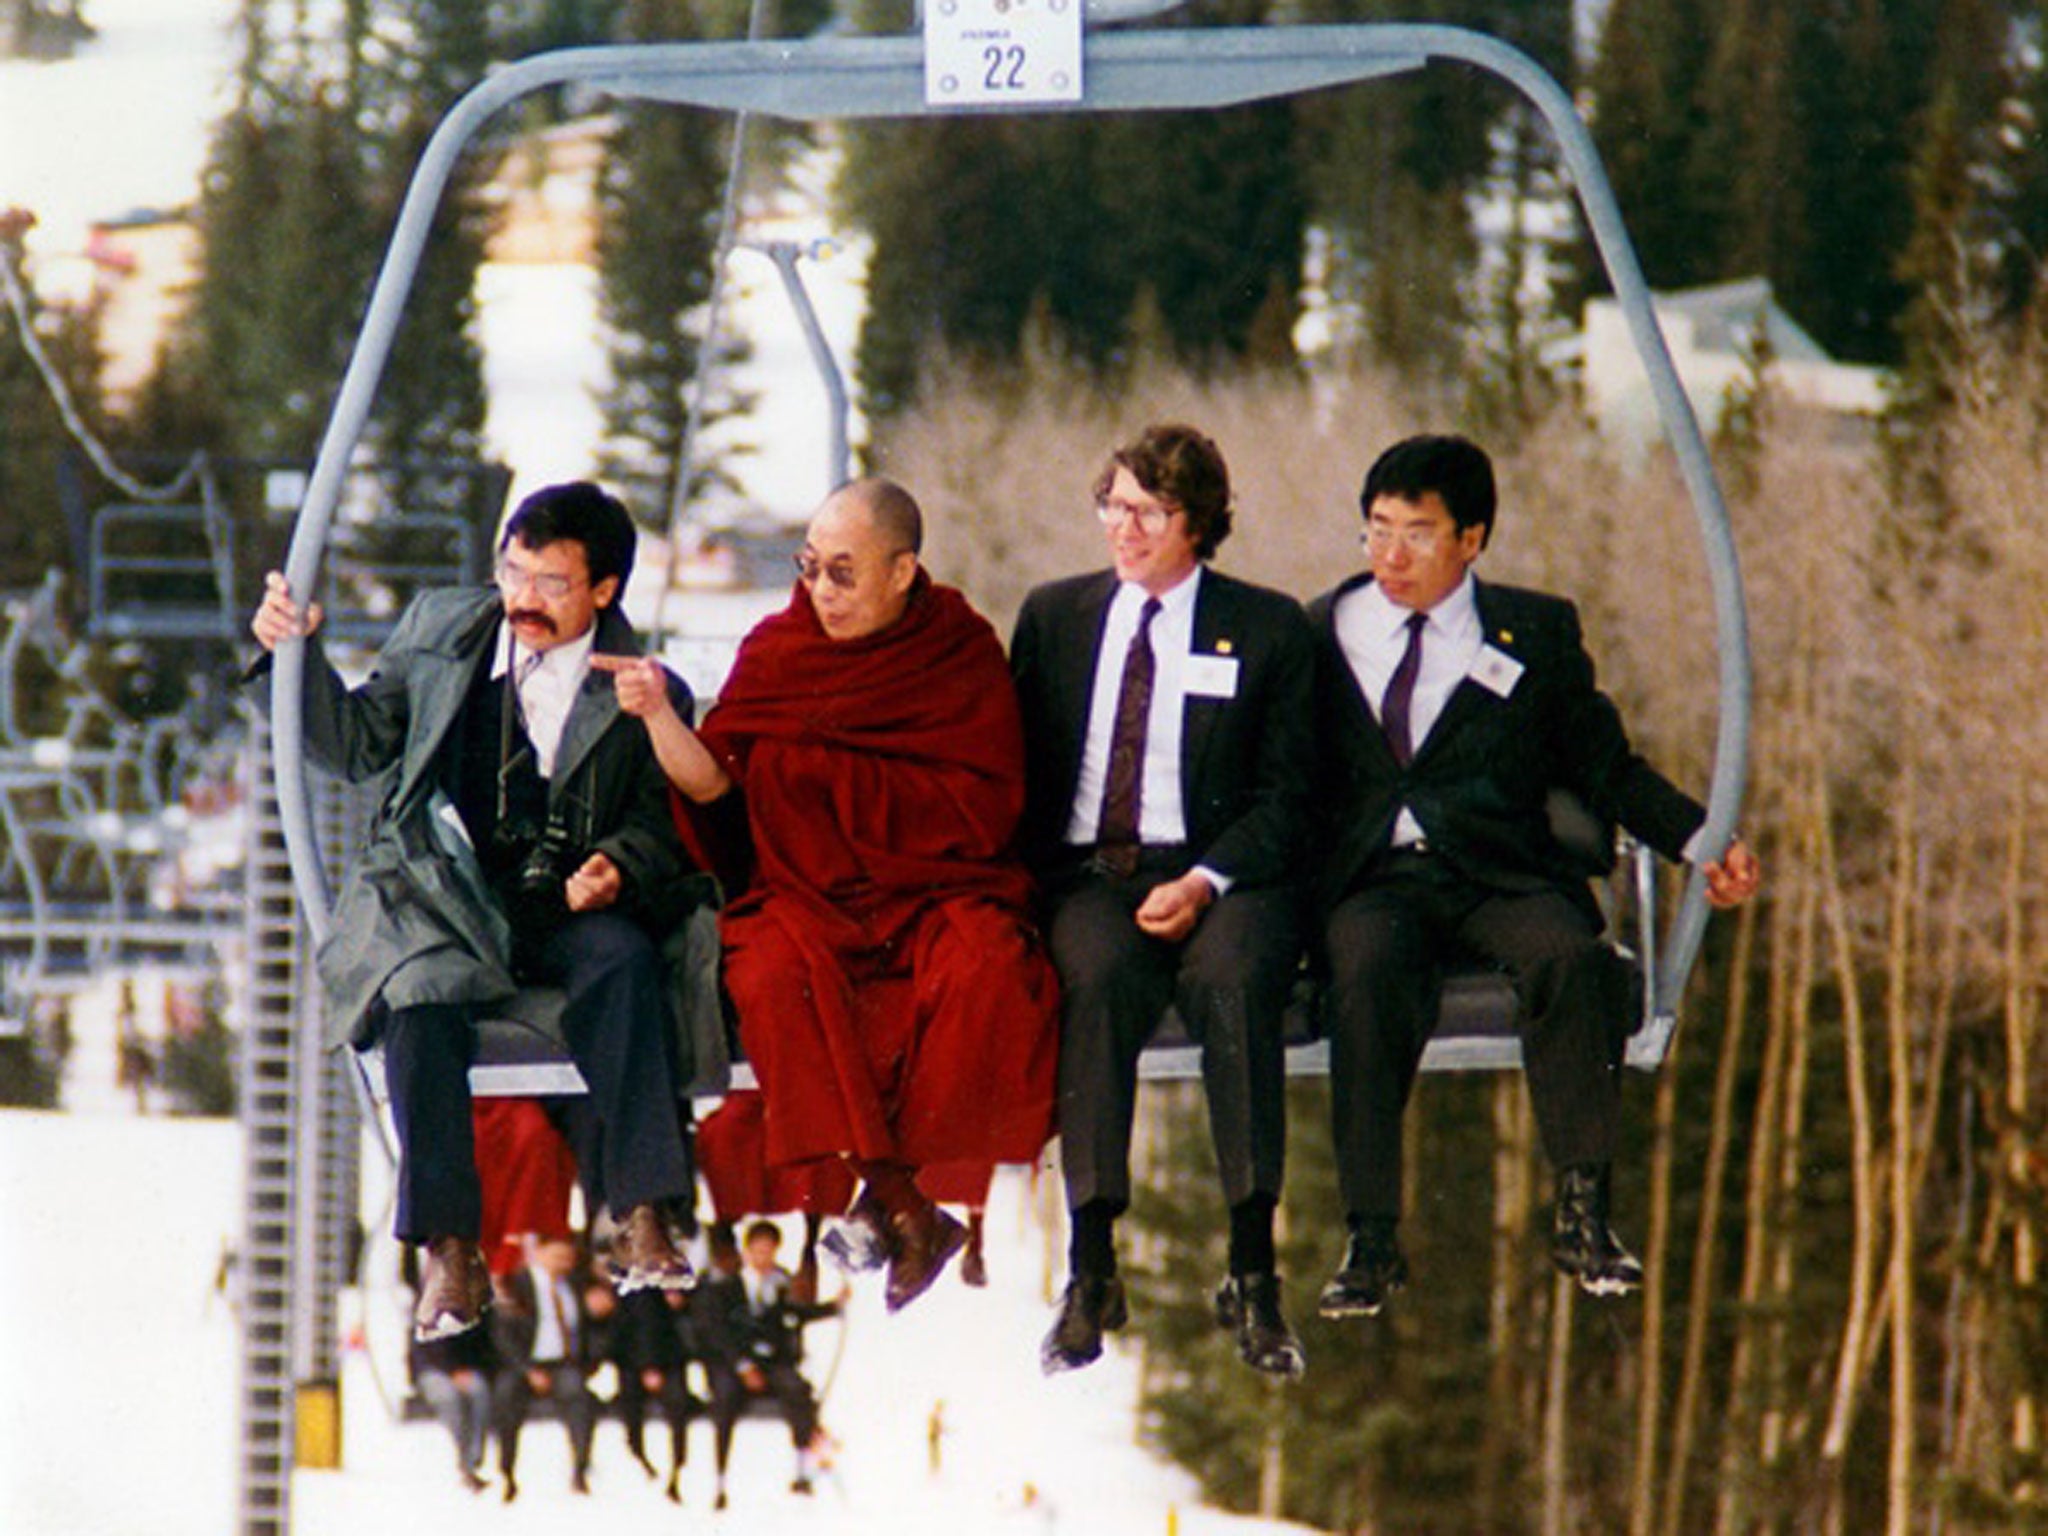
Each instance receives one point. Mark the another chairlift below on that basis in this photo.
(522, 1052)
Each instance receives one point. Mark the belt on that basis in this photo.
(1151, 858)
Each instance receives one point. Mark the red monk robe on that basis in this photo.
(893, 998)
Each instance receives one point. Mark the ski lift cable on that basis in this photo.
(707, 351)
(67, 407)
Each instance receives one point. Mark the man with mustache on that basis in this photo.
(524, 839)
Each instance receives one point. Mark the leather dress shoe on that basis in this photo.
(860, 1240)
(926, 1240)
(455, 1289)
(1249, 1306)
(974, 1263)
(1582, 1245)
(1373, 1270)
(642, 1255)
(1091, 1306)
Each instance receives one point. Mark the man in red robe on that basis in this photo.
(893, 997)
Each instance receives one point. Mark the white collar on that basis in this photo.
(564, 661)
(1173, 602)
(1455, 613)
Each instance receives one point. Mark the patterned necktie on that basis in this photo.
(1401, 692)
(1116, 840)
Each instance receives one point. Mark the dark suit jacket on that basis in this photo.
(1479, 782)
(736, 1334)
(1245, 760)
(515, 1324)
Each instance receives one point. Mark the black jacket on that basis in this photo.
(1479, 782)
(1245, 759)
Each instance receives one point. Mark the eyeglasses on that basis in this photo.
(809, 568)
(1416, 538)
(1150, 519)
(514, 579)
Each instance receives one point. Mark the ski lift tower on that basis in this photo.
(973, 56)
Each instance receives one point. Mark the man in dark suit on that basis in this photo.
(543, 1332)
(1449, 709)
(524, 838)
(646, 1335)
(753, 1339)
(1166, 722)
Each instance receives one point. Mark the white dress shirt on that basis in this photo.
(1372, 631)
(1161, 815)
(554, 1332)
(548, 684)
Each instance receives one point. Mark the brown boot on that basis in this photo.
(926, 1239)
(455, 1289)
(973, 1264)
(642, 1254)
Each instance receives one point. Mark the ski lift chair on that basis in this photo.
(839, 77)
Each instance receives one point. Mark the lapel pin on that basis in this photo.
(1222, 647)
(1507, 637)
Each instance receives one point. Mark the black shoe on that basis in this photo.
(719, 1501)
(511, 1487)
(1373, 1270)
(801, 1486)
(472, 1482)
(1582, 1245)
(1092, 1306)
(579, 1481)
(1249, 1306)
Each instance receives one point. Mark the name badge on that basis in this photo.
(1211, 677)
(1496, 671)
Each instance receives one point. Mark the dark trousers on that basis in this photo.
(783, 1382)
(1388, 945)
(677, 1402)
(618, 1028)
(1230, 980)
(570, 1389)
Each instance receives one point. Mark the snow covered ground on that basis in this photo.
(120, 1360)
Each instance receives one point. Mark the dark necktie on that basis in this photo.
(1401, 692)
(1116, 840)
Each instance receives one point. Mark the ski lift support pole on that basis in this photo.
(786, 254)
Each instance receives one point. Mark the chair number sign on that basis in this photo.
(980, 53)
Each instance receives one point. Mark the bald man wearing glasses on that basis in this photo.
(892, 994)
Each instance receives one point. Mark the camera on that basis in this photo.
(536, 895)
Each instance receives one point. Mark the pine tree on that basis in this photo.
(660, 194)
(980, 222)
(257, 356)
(1780, 139)
(32, 434)
(431, 403)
